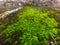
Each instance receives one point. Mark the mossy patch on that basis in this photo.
(34, 26)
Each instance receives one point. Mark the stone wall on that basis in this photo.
(55, 3)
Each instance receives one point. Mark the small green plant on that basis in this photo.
(35, 27)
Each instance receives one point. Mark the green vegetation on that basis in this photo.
(33, 27)
(2, 26)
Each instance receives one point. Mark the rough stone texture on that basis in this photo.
(9, 16)
(7, 13)
(56, 3)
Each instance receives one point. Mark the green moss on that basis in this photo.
(35, 26)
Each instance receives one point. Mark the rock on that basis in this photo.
(7, 13)
(56, 3)
(9, 17)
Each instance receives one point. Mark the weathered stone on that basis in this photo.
(3, 15)
(9, 17)
(56, 3)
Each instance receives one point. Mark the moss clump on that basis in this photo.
(33, 26)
